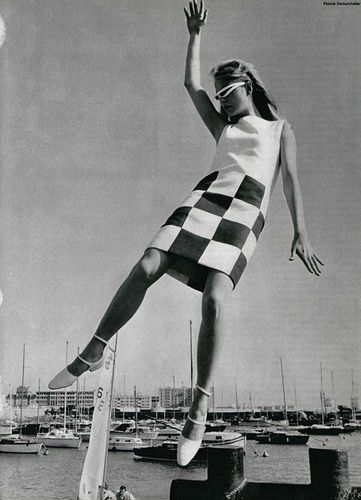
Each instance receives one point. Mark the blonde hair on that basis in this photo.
(237, 70)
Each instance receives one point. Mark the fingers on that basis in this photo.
(310, 261)
(315, 265)
(318, 260)
(186, 13)
(201, 9)
(305, 261)
(196, 11)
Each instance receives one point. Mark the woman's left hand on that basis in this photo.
(302, 248)
(197, 16)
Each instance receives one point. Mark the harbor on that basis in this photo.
(37, 478)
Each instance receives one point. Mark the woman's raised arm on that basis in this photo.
(196, 19)
(291, 186)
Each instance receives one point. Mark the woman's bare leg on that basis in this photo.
(125, 303)
(218, 287)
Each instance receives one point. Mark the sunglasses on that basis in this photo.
(225, 91)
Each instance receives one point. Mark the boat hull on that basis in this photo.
(60, 442)
(282, 439)
(166, 455)
(21, 446)
(331, 431)
(124, 443)
(167, 451)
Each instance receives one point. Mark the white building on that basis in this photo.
(126, 401)
(176, 397)
(57, 398)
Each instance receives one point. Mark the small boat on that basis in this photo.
(131, 429)
(16, 444)
(211, 438)
(124, 443)
(167, 450)
(322, 430)
(57, 438)
(169, 431)
(84, 435)
(280, 437)
(354, 425)
(251, 433)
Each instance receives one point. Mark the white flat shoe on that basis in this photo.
(187, 448)
(66, 379)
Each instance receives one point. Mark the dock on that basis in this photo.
(329, 471)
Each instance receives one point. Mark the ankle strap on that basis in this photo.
(99, 338)
(197, 422)
(88, 363)
(203, 391)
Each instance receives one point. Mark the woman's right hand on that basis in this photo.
(197, 16)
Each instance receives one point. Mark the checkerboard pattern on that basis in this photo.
(217, 226)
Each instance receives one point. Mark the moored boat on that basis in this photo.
(167, 450)
(280, 437)
(322, 430)
(124, 443)
(354, 425)
(130, 429)
(16, 444)
(58, 438)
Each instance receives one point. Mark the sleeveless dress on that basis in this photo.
(218, 224)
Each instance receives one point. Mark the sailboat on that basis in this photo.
(95, 465)
(129, 441)
(17, 443)
(60, 438)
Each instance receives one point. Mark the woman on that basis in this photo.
(208, 240)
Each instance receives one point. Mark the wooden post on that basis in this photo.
(225, 477)
(225, 470)
(330, 478)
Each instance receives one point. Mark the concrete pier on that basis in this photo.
(330, 479)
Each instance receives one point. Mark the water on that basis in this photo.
(57, 475)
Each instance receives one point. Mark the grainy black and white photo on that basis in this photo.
(180, 250)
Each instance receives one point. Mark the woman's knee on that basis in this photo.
(212, 304)
(150, 267)
(215, 294)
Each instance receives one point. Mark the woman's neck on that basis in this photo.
(249, 110)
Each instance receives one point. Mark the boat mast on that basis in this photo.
(284, 392)
(11, 408)
(236, 393)
(334, 398)
(353, 406)
(191, 355)
(250, 403)
(214, 401)
(294, 388)
(173, 397)
(124, 377)
(322, 398)
(83, 414)
(136, 411)
(76, 402)
(37, 420)
(22, 393)
(65, 390)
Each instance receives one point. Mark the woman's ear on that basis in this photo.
(249, 88)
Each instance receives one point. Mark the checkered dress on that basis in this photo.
(218, 224)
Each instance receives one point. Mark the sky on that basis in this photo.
(100, 143)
